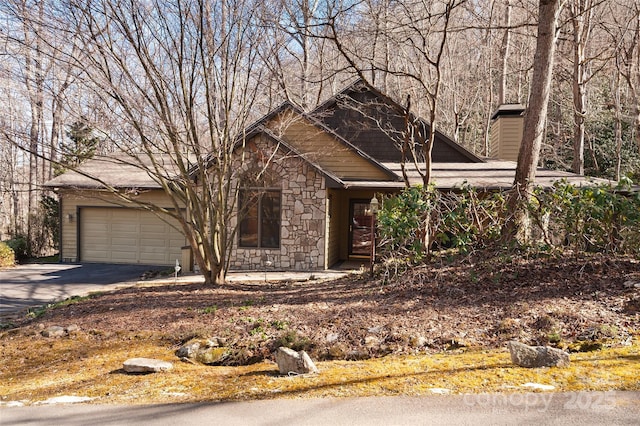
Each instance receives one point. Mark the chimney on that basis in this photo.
(506, 132)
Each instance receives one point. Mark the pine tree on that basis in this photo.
(80, 145)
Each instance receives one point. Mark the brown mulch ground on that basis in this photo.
(478, 302)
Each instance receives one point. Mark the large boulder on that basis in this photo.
(146, 365)
(292, 362)
(537, 356)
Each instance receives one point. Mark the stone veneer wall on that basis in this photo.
(302, 230)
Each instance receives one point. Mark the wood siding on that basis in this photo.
(335, 232)
(323, 149)
(506, 135)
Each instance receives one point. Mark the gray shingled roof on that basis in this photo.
(490, 175)
(118, 171)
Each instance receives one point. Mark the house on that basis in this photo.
(309, 210)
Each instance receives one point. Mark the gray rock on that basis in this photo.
(631, 284)
(212, 356)
(537, 356)
(146, 365)
(332, 337)
(371, 341)
(290, 361)
(205, 351)
(189, 349)
(54, 331)
(72, 328)
(418, 341)
(375, 330)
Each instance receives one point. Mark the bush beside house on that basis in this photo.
(7, 256)
(20, 248)
(595, 219)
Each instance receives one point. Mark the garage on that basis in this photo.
(127, 235)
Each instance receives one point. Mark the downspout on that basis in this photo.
(78, 236)
(60, 256)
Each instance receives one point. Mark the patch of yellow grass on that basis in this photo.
(35, 369)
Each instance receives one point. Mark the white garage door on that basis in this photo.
(122, 235)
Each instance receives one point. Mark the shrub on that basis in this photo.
(464, 219)
(597, 218)
(292, 339)
(7, 256)
(401, 224)
(20, 247)
(50, 206)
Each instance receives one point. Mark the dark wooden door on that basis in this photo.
(359, 228)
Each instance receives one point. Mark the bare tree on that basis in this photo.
(505, 52)
(29, 74)
(34, 83)
(617, 122)
(183, 78)
(465, 100)
(179, 81)
(418, 30)
(301, 63)
(582, 14)
(11, 178)
(628, 56)
(620, 27)
(535, 117)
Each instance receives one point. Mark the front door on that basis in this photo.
(359, 228)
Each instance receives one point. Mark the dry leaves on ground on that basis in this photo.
(572, 302)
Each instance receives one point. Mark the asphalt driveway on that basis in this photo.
(37, 284)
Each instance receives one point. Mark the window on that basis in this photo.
(260, 224)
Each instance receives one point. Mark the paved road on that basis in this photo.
(597, 408)
(37, 284)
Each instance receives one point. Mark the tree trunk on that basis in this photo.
(635, 102)
(581, 11)
(504, 52)
(617, 105)
(534, 121)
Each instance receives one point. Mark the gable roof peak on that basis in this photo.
(358, 86)
(357, 111)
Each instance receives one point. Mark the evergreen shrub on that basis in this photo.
(7, 256)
